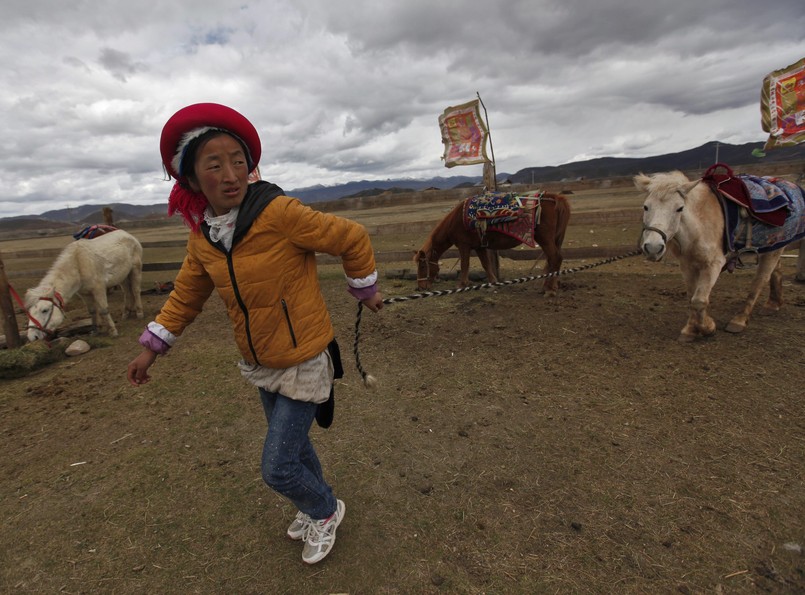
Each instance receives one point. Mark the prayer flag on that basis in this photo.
(782, 106)
(463, 134)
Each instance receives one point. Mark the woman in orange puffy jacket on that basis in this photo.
(257, 248)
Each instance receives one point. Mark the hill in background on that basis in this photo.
(693, 159)
(603, 167)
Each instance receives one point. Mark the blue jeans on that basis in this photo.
(290, 465)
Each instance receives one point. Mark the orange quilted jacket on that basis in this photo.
(269, 280)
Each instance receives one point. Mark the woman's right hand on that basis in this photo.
(374, 303)
(138, 368)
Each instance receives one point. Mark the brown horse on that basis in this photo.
(549, 233)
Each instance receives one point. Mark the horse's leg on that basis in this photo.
(135, 304)
(128, 299)
(699, 282)
(464, 256)
(102, 305)
(89, 302)
(775, 301)
(553, 262)
(488, 263)
(494, 260)
(767, 267)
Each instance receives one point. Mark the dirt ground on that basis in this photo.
(515, 444)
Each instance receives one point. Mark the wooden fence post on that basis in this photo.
(10, 327)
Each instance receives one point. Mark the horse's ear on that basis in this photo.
(34, 294)
(686, 188)
(641, 182)
(417, 255)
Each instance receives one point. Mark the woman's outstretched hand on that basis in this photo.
(374, 303)
(138, 368)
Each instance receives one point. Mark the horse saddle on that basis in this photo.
(508, 213)
(490, 208)
(766, 199)
(93, 231)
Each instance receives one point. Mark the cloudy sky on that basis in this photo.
(345, 90)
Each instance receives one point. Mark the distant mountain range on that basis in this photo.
(693, 159)
(603, 167)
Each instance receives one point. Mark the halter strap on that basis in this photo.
(57, 300)
(655, 230)
(428, 262)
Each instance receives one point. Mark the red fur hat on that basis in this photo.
(188, 123)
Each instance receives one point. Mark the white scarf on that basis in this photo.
(222, 227)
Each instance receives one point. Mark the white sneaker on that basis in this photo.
(299, 525)
(321, 535)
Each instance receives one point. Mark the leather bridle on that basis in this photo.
(57, 300)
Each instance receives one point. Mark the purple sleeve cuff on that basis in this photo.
(150, 341)
(363, 293)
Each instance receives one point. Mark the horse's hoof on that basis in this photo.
(708, 331)
(733, 327)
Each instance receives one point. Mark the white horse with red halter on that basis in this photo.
(685, 218)
(87, 268)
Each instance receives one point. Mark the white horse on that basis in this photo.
(87, 267)
(686, 218)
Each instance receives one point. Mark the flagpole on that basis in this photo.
(494, 177)
(490, 181)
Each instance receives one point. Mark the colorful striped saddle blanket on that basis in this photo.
(511, 214)
(742, 231)
(766, 199)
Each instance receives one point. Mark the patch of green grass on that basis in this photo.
(16, 363)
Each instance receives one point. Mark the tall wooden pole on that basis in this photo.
(490, 176)
(490, 180)
(10, 327)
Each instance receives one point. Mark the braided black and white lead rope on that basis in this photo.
(370, 381)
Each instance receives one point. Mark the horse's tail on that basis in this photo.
(562, 218)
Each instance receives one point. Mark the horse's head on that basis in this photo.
(426, 269)
(663, 209)
(45, 313)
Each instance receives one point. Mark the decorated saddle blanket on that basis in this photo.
(766, 199)
(93, 231)
(742, 232)
(511, 214)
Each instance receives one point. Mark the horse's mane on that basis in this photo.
(441, 229)
(662, 182)
(34, 294)
(58, 273)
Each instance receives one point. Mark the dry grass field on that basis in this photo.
(515, 444)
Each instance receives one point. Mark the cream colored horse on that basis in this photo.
(685, 218)
(87, 267)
